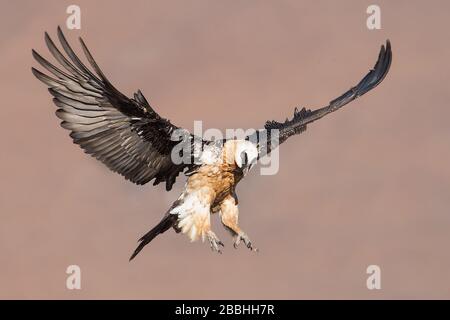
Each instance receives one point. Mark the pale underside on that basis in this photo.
(211, 189)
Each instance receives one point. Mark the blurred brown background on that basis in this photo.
(367, 185)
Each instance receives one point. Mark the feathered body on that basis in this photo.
(204, 192)
(209, 189)
(132, 139)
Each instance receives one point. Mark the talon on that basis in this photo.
(237, 242)
(243, 237)
(215, 242)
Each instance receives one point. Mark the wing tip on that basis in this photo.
(38, 74)
(58, 29)
(139, 248)
(386, 62)
(34, 53)
(388, 43)
(379, 71)
(35, 71)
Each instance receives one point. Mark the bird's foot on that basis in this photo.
(214, 242)
(243, 237)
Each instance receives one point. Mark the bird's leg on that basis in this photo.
(204, 227)
(229, 214)
(214, 241)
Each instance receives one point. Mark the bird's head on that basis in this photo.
(246, 155)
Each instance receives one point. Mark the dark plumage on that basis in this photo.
(128, 136)
(125, 134)
(305, 116)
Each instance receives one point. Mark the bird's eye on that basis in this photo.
(244, 158)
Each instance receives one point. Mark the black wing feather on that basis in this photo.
(301, 118)
(127, 135)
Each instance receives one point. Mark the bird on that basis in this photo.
(133, 140)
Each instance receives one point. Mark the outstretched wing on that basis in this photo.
(301, 118)
(125, 134)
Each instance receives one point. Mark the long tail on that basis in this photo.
(165, 224)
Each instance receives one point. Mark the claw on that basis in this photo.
(215, 242)
(243, 237)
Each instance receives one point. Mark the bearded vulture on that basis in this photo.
(132, 139)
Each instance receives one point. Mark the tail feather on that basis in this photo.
(165, 224)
